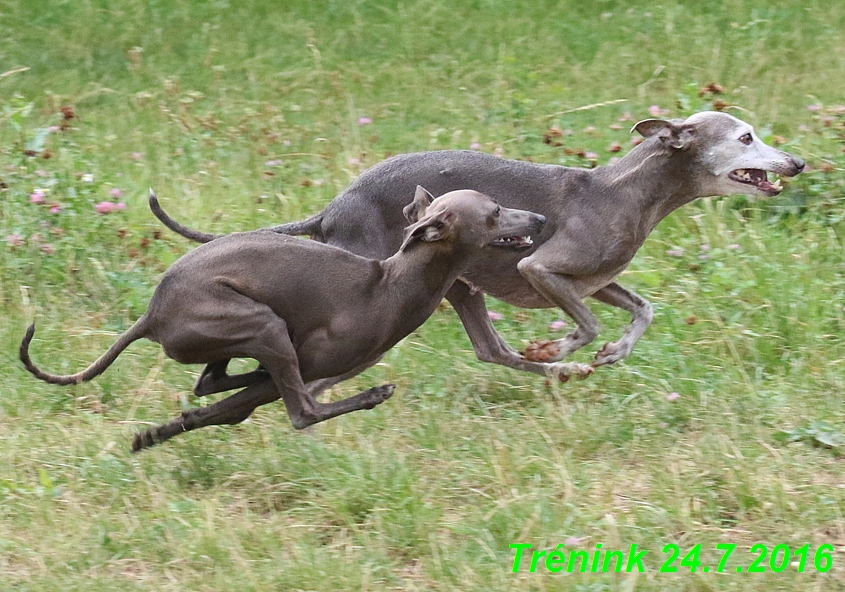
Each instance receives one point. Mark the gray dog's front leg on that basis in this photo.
(641, 317)
(558, 289)
(489, 345)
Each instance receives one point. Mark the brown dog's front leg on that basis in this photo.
(489, 345)
(641, 317)
(558, 288)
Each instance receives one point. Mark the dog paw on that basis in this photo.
(385, 391)
(542, 350)
(378, 395)
(143, 440)
(610, 353)
(563, 372)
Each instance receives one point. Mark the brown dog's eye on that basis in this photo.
(746, 139)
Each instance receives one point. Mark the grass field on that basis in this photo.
(243, 114)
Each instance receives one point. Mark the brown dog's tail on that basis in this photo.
(134, 333)
(311, 226)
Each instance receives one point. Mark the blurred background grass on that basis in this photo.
(245, 114)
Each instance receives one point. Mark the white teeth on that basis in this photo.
(776, 184)
(528, 240)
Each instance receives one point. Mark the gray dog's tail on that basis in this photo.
(310, 226)
(134, 333)
(189, 233)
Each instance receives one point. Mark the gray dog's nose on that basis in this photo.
(799, 163)
(540, 220)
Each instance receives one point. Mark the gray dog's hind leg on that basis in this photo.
(489, 345)
(641, 317)
(215, 379)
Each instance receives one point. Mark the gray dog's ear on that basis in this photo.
(415, 210)
(429, 229)
(674, 135)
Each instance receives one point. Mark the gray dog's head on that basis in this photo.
(469, 218)
(728, 155)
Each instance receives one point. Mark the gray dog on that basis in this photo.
(597, 220)
(310, 313)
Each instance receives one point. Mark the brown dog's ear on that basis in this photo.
(429, 229)
(415, 210)
(674, 135)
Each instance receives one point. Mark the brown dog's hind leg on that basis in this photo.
(254, 331)
(215, 379)
(231, 410)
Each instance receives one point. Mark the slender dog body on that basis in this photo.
(597, 220)
(311, 314)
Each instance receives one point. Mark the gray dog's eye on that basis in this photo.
(746, 139)
(497, 211)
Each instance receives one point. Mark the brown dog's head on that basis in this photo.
(469, 218)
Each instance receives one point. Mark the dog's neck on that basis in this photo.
(424, 272)
(656, 178)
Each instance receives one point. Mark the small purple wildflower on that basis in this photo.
(48, 249)
(15, 240)
(137, 156)
(475, 146)
(37, 197)
(55, 209)
(115, 192)
(591, 156)
(495, 316)
(273, 163)
(53, 129)
(557, 325)
(104, 207)
(572, 542)
(673, 397)
(120, 206)
(354, 161)
(364, 121)
(813, 108)
(679, 252)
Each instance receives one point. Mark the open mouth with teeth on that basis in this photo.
(513, 242)
(756, 178)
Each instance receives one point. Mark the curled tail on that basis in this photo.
(134, 333)
(310, 226)
(189, 233)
